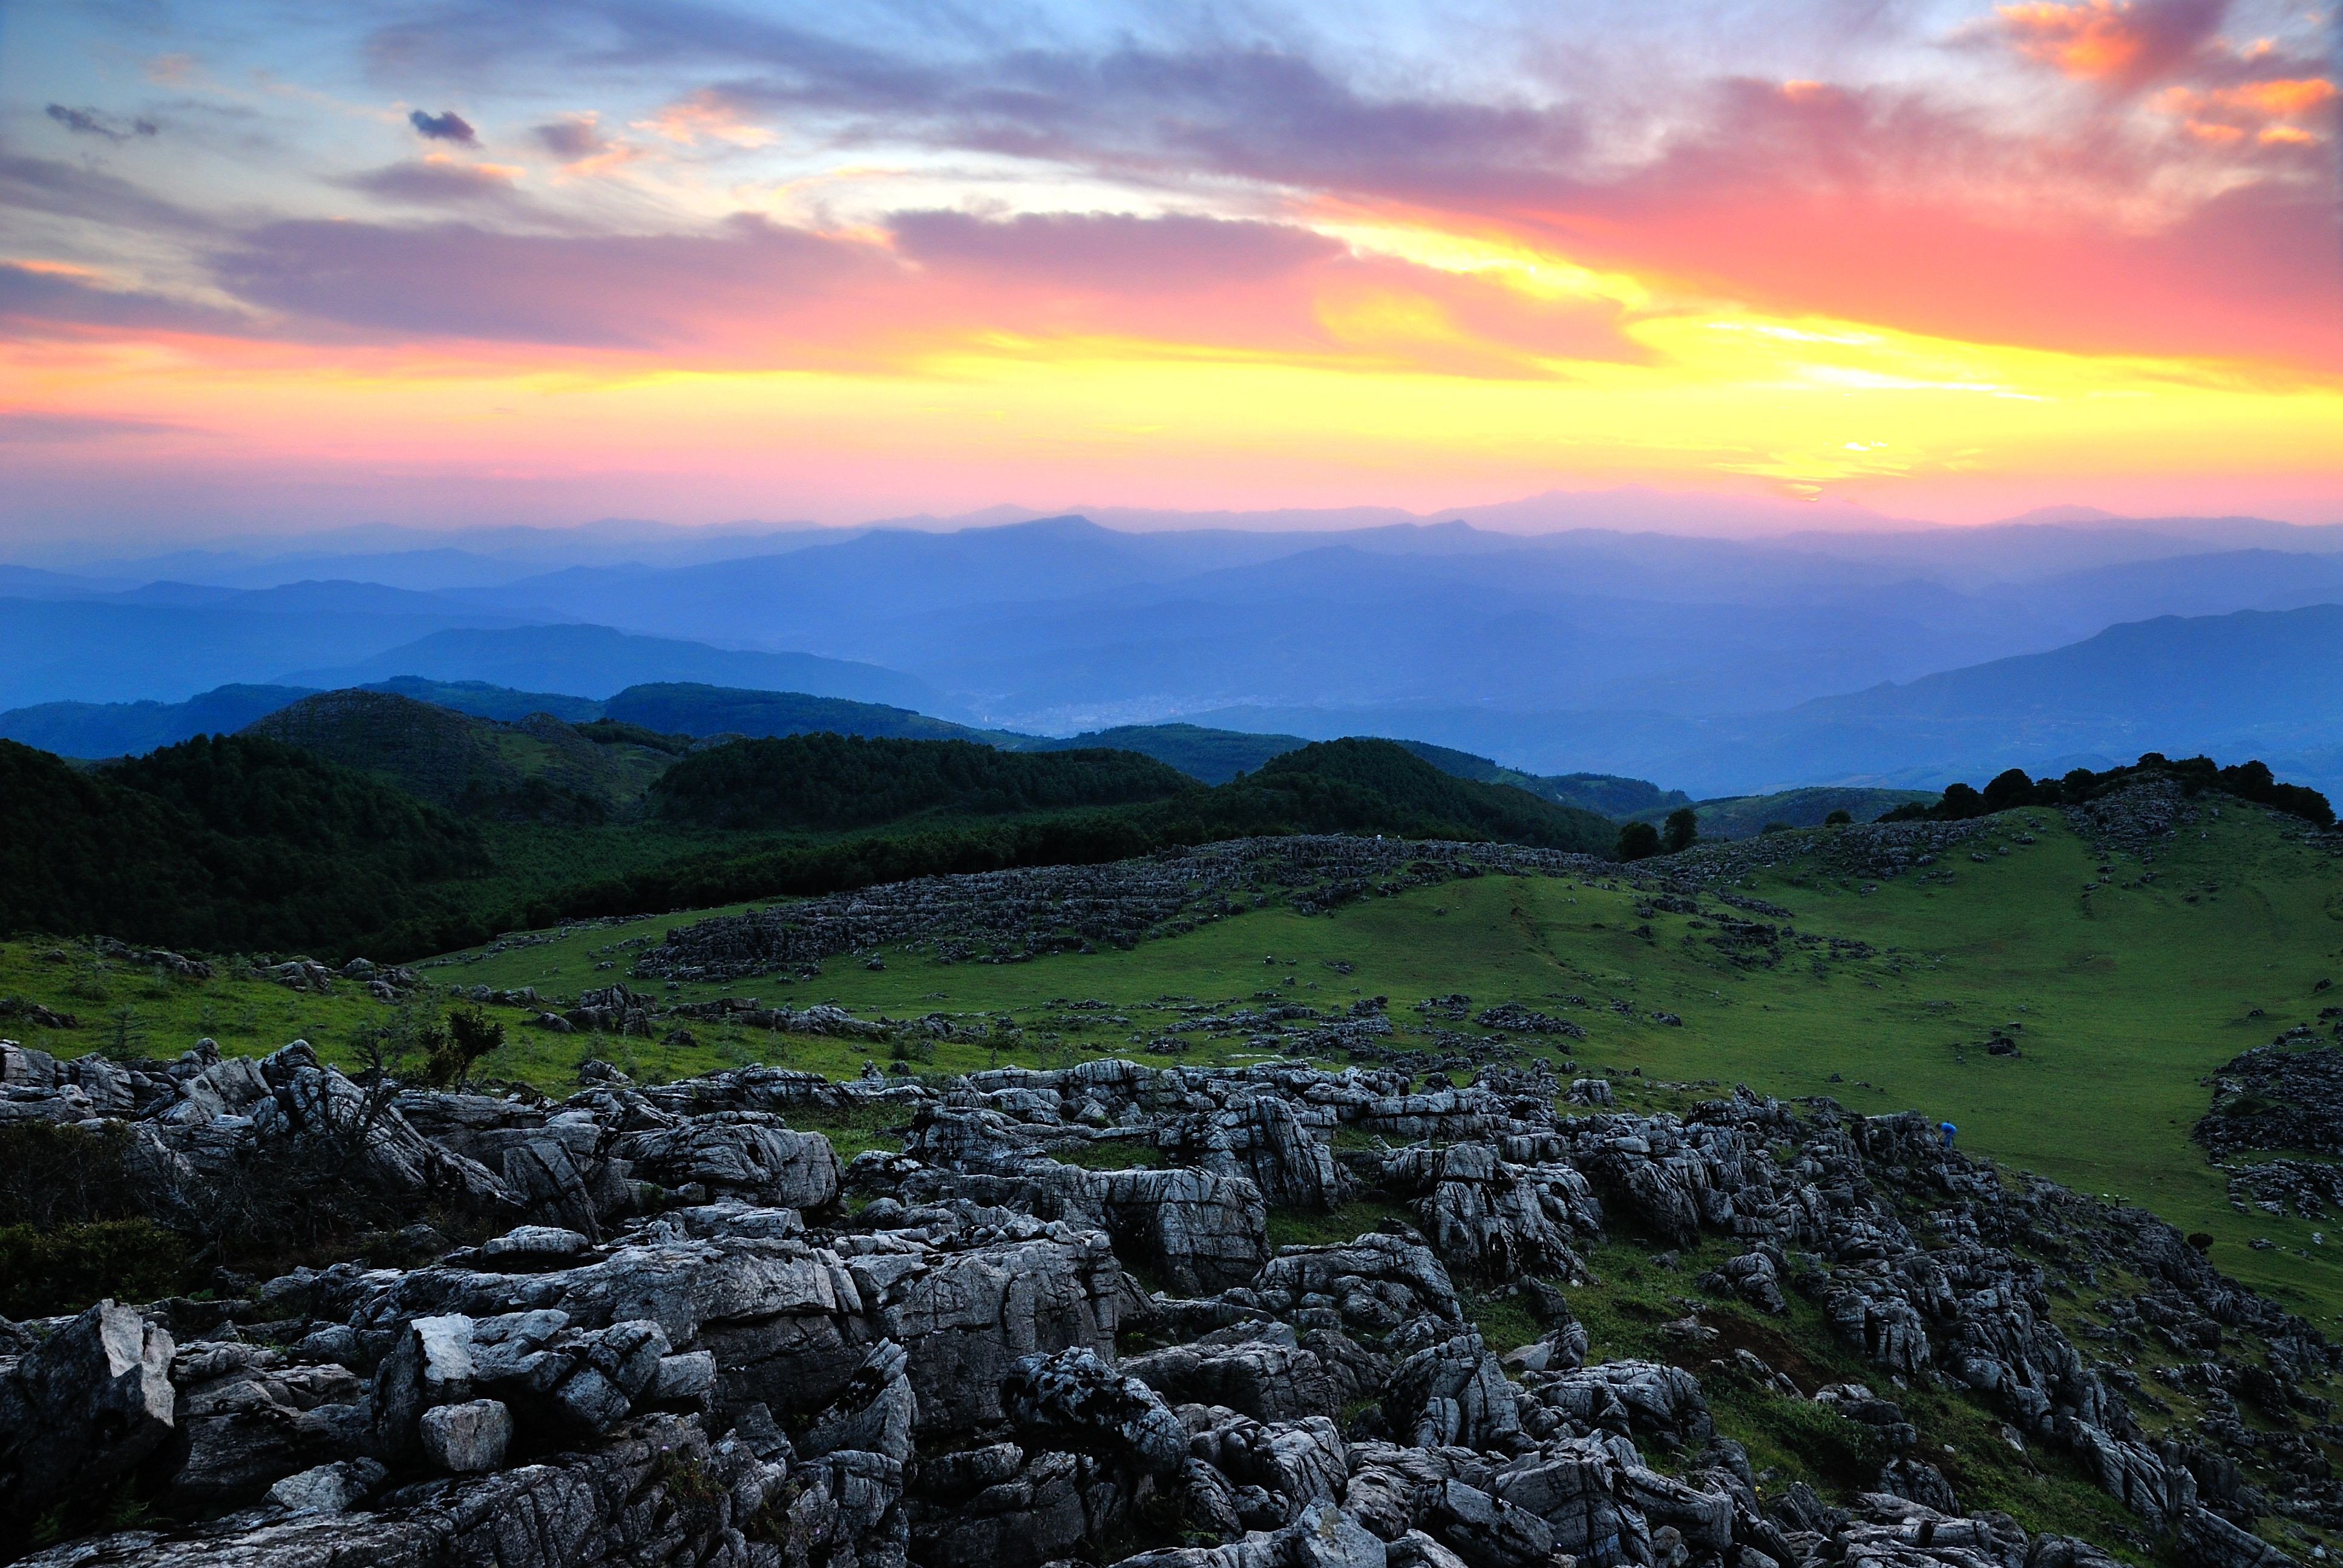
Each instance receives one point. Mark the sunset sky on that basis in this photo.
(263, 267)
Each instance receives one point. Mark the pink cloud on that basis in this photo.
(2125, 44)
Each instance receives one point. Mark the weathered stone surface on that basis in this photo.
(748, 1155)
(467, 1438)
(1450, 1391)
(944, 1358)
(82, 1408)
(1269, 1377)
(1075, 1400)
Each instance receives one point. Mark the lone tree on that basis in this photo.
(450, 1053)
(1839, 819)
(1681, 831)
(1637, 841)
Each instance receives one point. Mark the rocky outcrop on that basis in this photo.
(81, 1409)
(678, 1344)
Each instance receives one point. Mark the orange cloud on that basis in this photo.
(2122, 43)
(706, 115)
(2292, 96)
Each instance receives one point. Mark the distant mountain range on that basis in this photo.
(1718, 665)
(597, 661)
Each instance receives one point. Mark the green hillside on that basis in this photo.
(827, 783)
(482, 701)
(2122, 983)
(536, 768)
(683, 708)
(1604, 794)
(1214, 755)
(1746, 816)
(2125, 987)
(225, 842)
(1314, 785)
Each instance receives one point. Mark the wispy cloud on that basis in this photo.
(93, 123)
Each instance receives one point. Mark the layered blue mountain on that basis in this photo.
(597, 660)
(1722, 665)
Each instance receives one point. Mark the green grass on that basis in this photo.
(2128, 997)
(1301, 1228)
(1625, 1314)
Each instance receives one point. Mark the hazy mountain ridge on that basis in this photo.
(1720, 665)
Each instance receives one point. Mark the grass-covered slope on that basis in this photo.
(1746, 816)
(1360, 786)
(2127, 986)
(2126, 989)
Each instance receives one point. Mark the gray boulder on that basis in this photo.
(1450, 1391)
(467, 1438)
(83, 1408)
(748, 1155)
(1074, 1399)
(1268, 1378)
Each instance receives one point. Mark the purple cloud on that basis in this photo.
(572, 139)
(435, 185)
(446, 125)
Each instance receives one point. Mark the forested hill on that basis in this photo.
(227, 843)
(825, 783)
(244, 842)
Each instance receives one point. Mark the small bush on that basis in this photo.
(52, 1174)
(1637, 841)
(450, 1053)
(44, 1273)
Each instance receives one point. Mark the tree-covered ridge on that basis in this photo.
(2251, 781)
(826, 782)
(1382, 786)
(224, 843)
(690, 707)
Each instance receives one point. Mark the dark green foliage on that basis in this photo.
(1958, 804)
(616, 732)
(1839, 819)
(687, 707)
(79, 1229)
(538, 770)
(1213, 756)
(45, 1274)
(825, 783)
(1604, 794)
(2250, 781)
(247, 787)
(449, 1054)
(1380, 785)
(1681, 830)
(2009, 789)
(220, 843)
(1607, 793)
(1637, 841)
(58, 1174)
(482, 701)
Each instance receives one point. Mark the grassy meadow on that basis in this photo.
(2122, 994)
